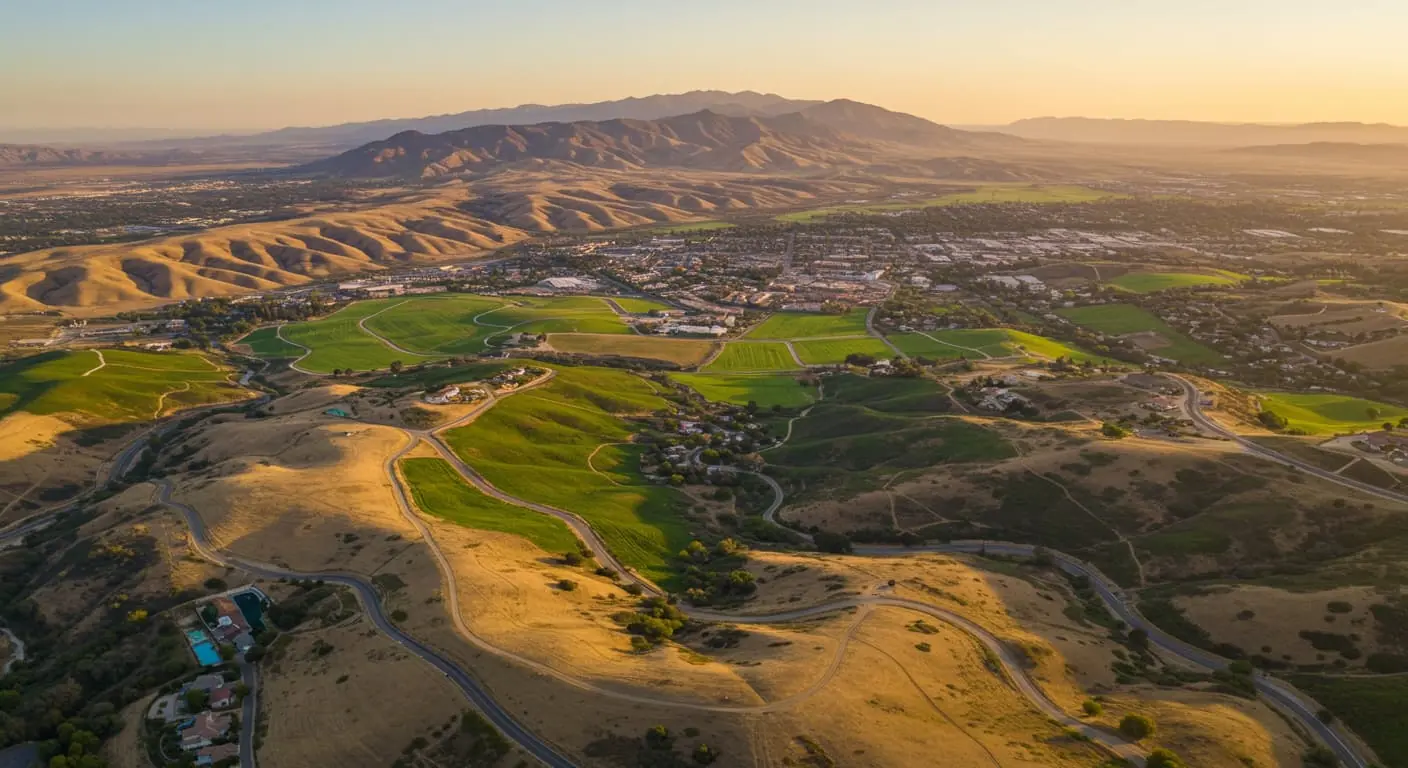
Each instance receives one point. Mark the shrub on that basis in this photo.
(399, 615)
(835, 543)
(572, 558)
(1091, 707)
(1339, 606)
(1137, 727)
(567, 585)
(1163, 758)
(216, 584)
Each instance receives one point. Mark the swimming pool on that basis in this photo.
(206, 654)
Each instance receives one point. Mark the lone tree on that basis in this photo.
(1137, 727)
(397, 366)
(835, 543)
(1163, 758)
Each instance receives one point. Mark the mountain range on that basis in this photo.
(824, 135)
(1193, 133)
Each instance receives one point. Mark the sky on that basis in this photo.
(257, 64)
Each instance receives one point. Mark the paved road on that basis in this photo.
(366, 594)
(249, 713)
(1202, 420)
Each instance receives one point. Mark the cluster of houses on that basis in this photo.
(209, 736)
(454, 393)
(1391, 445)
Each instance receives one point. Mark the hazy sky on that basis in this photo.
(246, 64)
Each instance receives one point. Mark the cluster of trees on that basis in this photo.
(714, 574)
(656, 621)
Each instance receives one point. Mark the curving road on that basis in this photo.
(1203, 421)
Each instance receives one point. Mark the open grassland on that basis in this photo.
(536, 445)
(1323, 414)
(265, 343)
(798, 325)
(1151, 282)
(1377, 355)
(1122, 319)
(698, 226)
(132, 386)
(440, 491)
(986, 194)
(436, 325)
(1372, 707)
(638, 306)
(753, 356)
(832, 351)
(337, 342)
(682, 352)
(919, 396)
(740, 389)
(438, 374)
(571, 314)
(986, 342)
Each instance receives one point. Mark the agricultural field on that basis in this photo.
(697, 226)
(265, 343)
(572, 314)
(1377, 355)
(638, 306)
(436, 325)
(1325, 414)
(438, 375)
(439, 491)
(985, 343)
(797, 325)
(121, 385)
(685, 353)
(753, 356)
(740, 389)
(1152, 282)
(986, 194)
(337, 342)
(1123, 319)
(565, 445)
(834, 351)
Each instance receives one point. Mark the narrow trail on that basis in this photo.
(596, 471)
(926, 335)
(161, 401)
(870, 329)
(279, 333)
(820, 395)
(1123, 539)
(791, 350)
(362, 326)
(102, 363)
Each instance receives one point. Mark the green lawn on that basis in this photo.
(133, 386)
(535, 445)
(337, 342)
(440, 375)
(698, 226)
(797, 325)
(440, 491)
(753, 356)
(833, 351)
(1121, 319)
(437, 325)
(265, 343)
(766, 390)
(986, 194)
(637, 306)
(1150, 282)
(1323, 413)
(570, 314)
(1372, 707)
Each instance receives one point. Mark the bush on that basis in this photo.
(1137, 727)
(216, 584)
(567, 585)
(399, 615)
(572, 558)
(1339, 606)
(1091, 707)
(1163, 758)
(835, 543)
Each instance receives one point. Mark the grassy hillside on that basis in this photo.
(831, 351)
(1373, 707)
(337, 342)
(131, 386)
(766, 390)
(265, 343)
(1321, 414)
(440, 491)
(797, 325)
(753, 356)
(437, 325)
(573, 314)
(536, 445)
(1122, 319)
(1151, 282)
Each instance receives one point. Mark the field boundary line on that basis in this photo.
(926, 335)
(362, 326)
(279, 332)
(102, 363)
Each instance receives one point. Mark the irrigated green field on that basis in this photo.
(439, 374)
(640, 306)
(132, 386)
(536, 444)
(698, 226)
(1150, 282)
(753, 356)
(337, 342)
(1121, 319)
(437, 325)
(986, 194)
(571, 314)
(683, 352)
(766, 390)
(440, 491)
(265, 343)
(1324, 414)
(797, 325)
(835, 351)
(992, 342)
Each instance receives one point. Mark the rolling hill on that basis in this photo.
(1193, 133)
(1336, 151)
(32, 156)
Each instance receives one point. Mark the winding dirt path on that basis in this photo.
(102, 363)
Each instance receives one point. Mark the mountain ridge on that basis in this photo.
(1196, 133)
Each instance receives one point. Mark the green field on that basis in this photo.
(535, 445)
(437, 325)
(438, 374)
(1324, 414)
(637, 306)
(835, 351)
(1372, 707)
(570, 314)
(987, 194)
(797, 325)
(1121, 319)
(337, 342)
(132, 386)
(439, 491)
(265, 343)
(766, 390)
(1150, 282)
(698, 226)
(993, 342)
(753, 356)
(685, 353)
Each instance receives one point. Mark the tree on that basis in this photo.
(835, 543)
(1163, 758)
(1272, 420)
(703, 755)
(572, 558)
(1139, 640)
(1373, 413)
(1137, 727)
(397, 366)
(196, 699)
(676, 480)
(1092, 707)
(1113, 431)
